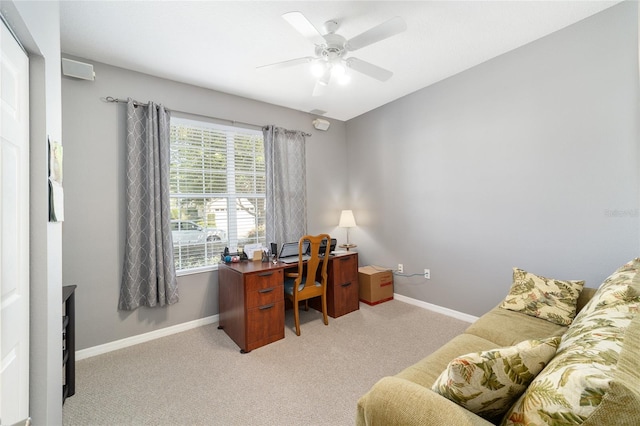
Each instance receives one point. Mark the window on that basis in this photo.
(217, 180)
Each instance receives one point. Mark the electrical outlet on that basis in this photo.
(400, 268)
(427, 274)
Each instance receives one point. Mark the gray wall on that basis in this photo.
(93, 233)
(527, 160)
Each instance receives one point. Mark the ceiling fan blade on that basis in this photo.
(387, 29)
(369, 69)
(298, 21)
(289, 63)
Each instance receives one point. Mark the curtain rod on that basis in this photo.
(136, 103)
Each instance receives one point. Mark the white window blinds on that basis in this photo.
(217, 191)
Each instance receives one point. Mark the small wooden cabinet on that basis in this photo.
(251, 299)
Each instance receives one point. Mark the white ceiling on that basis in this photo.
(219, 44)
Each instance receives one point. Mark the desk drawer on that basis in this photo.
(265, 324)
(344, 269)
(263, 288)
(343, 298)
(342, 295)
(342, 289)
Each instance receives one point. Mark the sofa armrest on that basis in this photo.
(395, 401)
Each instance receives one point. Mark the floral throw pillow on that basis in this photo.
(584, 377)
(545, 298)
(487, 383)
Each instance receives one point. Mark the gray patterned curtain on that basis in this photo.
(286, 175)
(149, 277)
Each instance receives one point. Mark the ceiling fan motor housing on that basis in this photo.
(334, 48)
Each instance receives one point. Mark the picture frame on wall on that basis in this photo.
(56, 192)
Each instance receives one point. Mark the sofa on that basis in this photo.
(589, 373)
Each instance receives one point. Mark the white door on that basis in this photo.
(14, 230)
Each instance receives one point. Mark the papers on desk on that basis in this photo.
(249, 249)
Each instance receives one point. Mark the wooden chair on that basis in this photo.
(311, 279)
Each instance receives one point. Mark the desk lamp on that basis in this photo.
(347, 221)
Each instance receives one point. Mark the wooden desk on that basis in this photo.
(251, 297)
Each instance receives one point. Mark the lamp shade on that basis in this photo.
(346, 219)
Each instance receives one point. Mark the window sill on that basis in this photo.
(196, 270)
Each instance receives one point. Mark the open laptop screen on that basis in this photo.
(291, 249)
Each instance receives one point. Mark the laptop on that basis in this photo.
(289, 252)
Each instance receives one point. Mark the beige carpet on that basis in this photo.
(199, 377)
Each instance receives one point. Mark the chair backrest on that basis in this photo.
(316, 265)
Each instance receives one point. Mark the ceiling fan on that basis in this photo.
(331, 49)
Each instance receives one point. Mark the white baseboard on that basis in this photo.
(141, 338)
(156, 334)
(435, 308)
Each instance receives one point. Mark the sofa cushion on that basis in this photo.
(491, 326)
(546, 298)
(589, 376)
(427, 370)
(487, 383)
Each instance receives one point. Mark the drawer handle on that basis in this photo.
(344, 259)
(266, 290)
(346, 284)
(265, 274)
(262, 308)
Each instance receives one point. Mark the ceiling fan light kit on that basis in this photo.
(318, 68)
(326, 76)
(330, 61)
